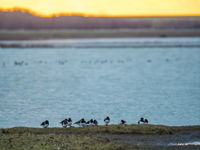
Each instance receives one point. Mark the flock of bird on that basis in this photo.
(92, 122)
(63, 62)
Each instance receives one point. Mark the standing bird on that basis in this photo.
(90, 122)
(45, 124)
(69, 122)
(64, 123)
(107, 120)
(78, 122)
(95, 122)
(141, 120)
(123, 122)
(81, 122)
(144, 121)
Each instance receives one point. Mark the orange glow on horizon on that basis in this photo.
(92, 15)
(105, 8)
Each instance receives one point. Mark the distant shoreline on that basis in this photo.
(100, 33)
(105, 42)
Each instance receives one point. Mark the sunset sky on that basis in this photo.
(107, 7)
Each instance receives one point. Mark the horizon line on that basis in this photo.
(92, 15)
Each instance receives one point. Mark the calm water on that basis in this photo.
(158, 80)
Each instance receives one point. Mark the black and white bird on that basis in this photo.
(107, 120)
(78, 122)
(142, 120)
(123, 122)
(45, 124)
(69, 122)
(64, 123)
(81, 122)
(90, 122)
(95, 122)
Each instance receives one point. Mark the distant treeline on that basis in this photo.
(25, 20)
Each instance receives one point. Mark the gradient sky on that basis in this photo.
(108, 7)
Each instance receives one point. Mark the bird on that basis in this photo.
(45, 124)
(78, 122)
(95, 122)
(107, 120)
(81, 122)
(144, 121)
(141, 120)
(123, 122)
(64, 123)
(90, 122)
(69, 122)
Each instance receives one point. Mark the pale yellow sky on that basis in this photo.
(108, 7)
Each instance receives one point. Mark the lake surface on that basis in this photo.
(155, 78)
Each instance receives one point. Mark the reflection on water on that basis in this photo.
(183, 144)
(105, 43)
(161, 84)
